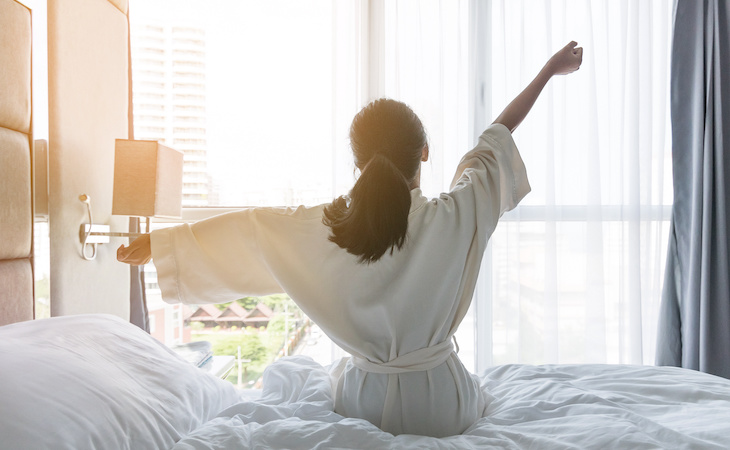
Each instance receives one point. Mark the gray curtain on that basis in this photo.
(694, 327)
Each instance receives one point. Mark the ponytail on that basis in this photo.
(387, 139)
(377, 218)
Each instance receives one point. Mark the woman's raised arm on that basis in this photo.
(566, 60)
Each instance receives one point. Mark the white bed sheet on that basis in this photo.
(97, 382)
(541, 407)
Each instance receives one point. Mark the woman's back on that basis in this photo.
(389, 276)
(409, 301)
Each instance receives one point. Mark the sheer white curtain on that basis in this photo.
(409, 50)
(574, 274)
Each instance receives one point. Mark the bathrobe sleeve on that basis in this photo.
(489, 180)
(494, 163)
(212, 261)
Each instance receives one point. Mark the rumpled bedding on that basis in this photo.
(541, 407)
(98, 382)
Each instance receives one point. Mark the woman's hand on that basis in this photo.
(566, 60)
(138, 252)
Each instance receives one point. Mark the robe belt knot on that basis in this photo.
(422, 359)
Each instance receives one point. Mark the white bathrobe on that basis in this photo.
(396, 316)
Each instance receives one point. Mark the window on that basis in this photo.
(153, 29)
(188, 64)
(147, 97)
(188, 86)
(192, 31)
(151, 62)
(151, 86)
(190, 42)
(148, 132)
(184, 54)
(235, 107)
(189, 108)
(150, 118)
(574, 273)
(183, 98)
(189, 76)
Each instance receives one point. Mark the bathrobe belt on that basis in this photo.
(422, 359)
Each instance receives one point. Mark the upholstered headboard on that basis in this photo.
(16, 199)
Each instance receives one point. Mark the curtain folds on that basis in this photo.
(694, 330)
(575, 272)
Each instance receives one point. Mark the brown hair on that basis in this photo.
(387, 139)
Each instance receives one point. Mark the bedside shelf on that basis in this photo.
(220, 366)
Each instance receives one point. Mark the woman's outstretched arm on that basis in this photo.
(566, 60)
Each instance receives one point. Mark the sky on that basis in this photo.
(269, 90)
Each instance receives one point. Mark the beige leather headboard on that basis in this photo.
(16, 207)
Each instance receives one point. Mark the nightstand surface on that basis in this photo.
(220, 366)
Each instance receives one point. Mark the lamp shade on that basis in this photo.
(147, 179)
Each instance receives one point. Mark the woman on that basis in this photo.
(386, 273)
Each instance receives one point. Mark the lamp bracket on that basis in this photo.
(100, 234)
(92, 234)
(89, 233)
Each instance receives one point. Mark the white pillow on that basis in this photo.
(96, 381)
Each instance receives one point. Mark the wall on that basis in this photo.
(88, 108)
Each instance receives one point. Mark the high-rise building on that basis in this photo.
(168, 72)
(169, 97)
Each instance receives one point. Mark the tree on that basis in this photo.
(248, 303)
(252, 348)
(276, 325)
(222, 306)
(277, 301)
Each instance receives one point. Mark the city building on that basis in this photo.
(169, 95)
(169, 98)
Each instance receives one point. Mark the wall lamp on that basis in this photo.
(147, 183)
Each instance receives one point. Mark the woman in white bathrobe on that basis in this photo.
(386, 273)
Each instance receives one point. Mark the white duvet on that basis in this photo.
(539, 407)
(97, 382)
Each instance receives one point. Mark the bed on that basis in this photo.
(96, 381)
